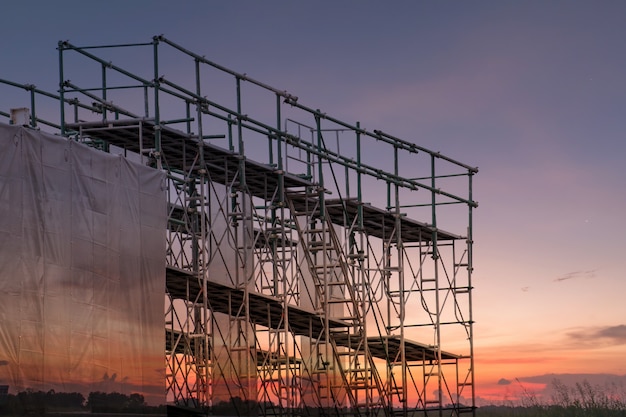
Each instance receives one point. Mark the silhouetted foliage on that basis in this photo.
(40, 402)
(581, 400)
(236, 407)
(32, 402)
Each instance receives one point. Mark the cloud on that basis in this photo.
(572, 379)
(615, 334)
(554, 384)
(577, 274)
(503, 381)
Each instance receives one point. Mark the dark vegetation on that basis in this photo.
(581, 400)
(38, 403)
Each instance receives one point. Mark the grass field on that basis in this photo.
(582, 399)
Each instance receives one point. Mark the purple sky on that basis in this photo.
(533, 93)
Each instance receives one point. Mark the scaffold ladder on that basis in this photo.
(355, 382)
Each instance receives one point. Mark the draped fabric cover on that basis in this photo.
(82, 268)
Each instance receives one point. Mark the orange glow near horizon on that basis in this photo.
(501, 371)
(500, 375)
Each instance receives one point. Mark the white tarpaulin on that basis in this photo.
(82, 269)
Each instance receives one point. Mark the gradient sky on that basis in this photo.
(533, 93)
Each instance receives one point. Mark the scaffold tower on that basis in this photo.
(314, 267)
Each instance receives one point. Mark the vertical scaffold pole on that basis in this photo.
(470, 269)
(242, 153)
(199, 115)
(33, 113)
(188, 117)
(280, 202)
(320, 160)
(104, 92)
(61, 88)
(157, 115)
(282, 272)
(248, 266)
(199, 252)
(435, 257)
(400, 255)
(360, 260)
(146, 103)
(279, 137)
(359, 191)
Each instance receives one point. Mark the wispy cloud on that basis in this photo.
(571, 379)
(614, 334)
(591, 273)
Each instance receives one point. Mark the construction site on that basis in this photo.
(290, 263)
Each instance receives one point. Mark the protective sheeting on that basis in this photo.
(82, 269)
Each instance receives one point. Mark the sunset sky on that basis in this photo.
(533, 93)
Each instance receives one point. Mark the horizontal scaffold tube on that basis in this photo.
(313, 149)
(244, 77)
(33, 88)
(271, 131)
(292, 100)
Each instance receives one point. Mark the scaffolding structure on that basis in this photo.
(310, 270)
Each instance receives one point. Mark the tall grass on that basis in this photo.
(581, 399)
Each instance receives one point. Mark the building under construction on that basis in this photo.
(310, 266)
